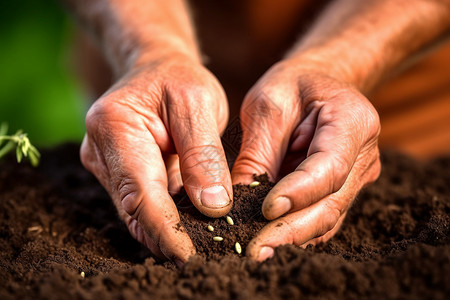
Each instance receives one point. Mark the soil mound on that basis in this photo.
(57, 224)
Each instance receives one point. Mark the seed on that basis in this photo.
(238, 248)
(218, 238)
(37, 229)
(230, 220)
(82, 274)
(254, 184)
(210, 228)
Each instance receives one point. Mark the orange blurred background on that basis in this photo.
(414, 106)
(40, 93)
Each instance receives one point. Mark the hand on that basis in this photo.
(156, 125)
(317, 134)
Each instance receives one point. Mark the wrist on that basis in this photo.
(132, 33)
(160, 51)
(356, 69)
(133, 57)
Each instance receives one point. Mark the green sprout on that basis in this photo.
(22, 144)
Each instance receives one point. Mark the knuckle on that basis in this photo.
(203, 106)
(375, 169)
(134, 229)
(85, 151)
(107, 110)
(365, 117)
(96, 116)
(327, 113)
(93, 118)
(199, 94)
(372, 123)
(329, 219)
(93, 160)
(130, 199)
(208, 160)
(340, 169)
(97, 121)
(262, 106)
(373, 119)
(193, 94)
(86, 157)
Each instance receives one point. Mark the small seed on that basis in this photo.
(37, 229)
(230, 220)
(82, 274)
(210, 228)
(254, 184)
(238, 248)
(218, 238)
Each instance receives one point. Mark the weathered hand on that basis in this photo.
(317, 134)
(156, 125)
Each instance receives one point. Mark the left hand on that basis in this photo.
(318, 136)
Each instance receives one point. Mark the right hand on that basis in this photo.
(158, 124)
(316, 137)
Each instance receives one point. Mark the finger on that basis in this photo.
(296, 228)
(138, 185)
(330, 159)
(203, 164)
(317, 222)
(266, 130)
(139, 234)
(175, 182)
(326, 236)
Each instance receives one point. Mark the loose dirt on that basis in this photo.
(56, 221)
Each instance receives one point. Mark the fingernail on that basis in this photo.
(215, 197)
(281, 205)
(265, 253)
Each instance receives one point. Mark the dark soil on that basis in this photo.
(246, 216)
(56, 222)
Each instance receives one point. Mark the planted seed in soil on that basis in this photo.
(246, 220)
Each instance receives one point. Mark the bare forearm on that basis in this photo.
(359, 41)
(132, 32)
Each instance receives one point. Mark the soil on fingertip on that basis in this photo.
(56, 221)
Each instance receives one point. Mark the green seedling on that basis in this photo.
(21, 142)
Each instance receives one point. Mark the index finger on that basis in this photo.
(322, 219)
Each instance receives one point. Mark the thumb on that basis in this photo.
(203, 165)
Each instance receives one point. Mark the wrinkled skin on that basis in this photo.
(154, 120)
(315, 136)
(305, 121)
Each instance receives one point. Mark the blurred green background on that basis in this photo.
(39, 91)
